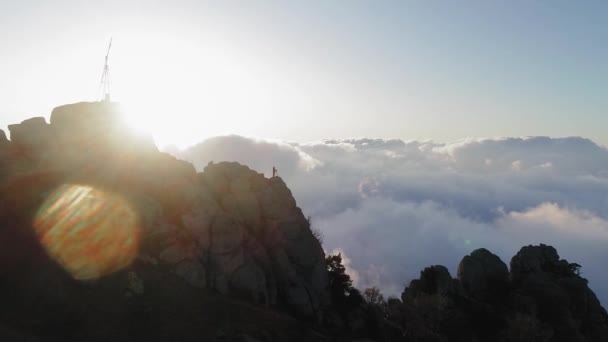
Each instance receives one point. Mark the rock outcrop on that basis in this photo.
(227, 230)
(483, 275)
(31, 133)
(551, 289)
(543, 298)
(536, 260)
(3, 139)
(243, 234)
(434, 280)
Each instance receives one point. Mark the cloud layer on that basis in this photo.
(394, 207)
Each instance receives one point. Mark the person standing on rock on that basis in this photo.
(274, 171)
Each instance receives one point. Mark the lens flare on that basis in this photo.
(91, 233)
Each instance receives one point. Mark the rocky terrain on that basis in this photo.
(104, 238)
(542, 298)
(228, 230)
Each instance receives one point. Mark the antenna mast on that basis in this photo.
(104, 86)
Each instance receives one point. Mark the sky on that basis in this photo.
(303, 71)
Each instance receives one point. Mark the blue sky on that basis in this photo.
(302, 71)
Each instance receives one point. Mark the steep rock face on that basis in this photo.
(227, 229)
(246, 236)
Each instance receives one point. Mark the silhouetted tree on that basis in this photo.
(344, 296)
(373, 295)
(339, 281)
(575, 268)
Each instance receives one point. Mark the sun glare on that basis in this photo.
(182, 93)
(91, 233)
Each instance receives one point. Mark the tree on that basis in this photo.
(574, 268)
(373, 295)
(339, 281)
(344, 296)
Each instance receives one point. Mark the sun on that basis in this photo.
(142, 119)
(165, 120)
(185, 92)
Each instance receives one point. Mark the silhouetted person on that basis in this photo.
(274, 171)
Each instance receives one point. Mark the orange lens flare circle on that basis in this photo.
(90, 233)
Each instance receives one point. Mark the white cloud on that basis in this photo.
(258, 154)
(396, 206)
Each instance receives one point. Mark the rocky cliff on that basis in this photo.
(85, 201)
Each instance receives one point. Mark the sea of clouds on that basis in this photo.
(393, 207)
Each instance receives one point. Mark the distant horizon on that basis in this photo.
(168, 146)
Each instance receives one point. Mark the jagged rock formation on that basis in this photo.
(551, 289)
(227, 230)
(244, 235)
(543, 298)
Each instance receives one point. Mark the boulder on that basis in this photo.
(3, 139)
(86, 118)
(37, 121)
(483, 275)
(433, 280)
(534, 259)
(97, 127)
(32, 133)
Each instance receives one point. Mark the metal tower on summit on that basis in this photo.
(104, 86)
